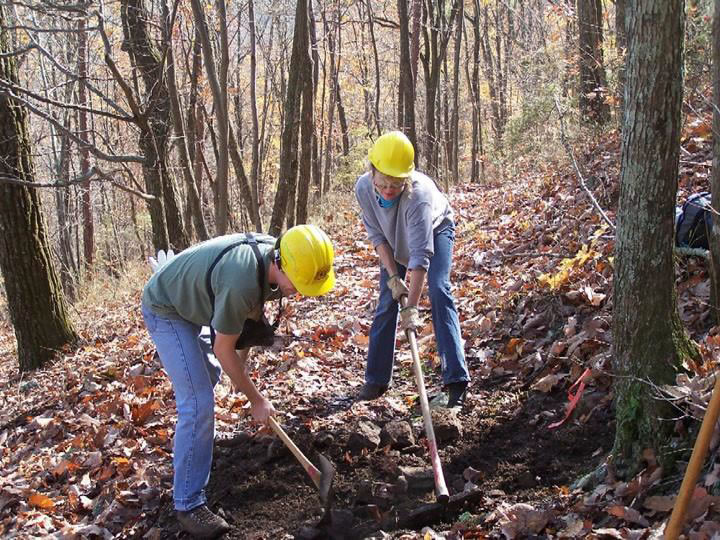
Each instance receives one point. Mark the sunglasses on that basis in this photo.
(389, 186)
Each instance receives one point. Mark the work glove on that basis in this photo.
(410, 318)
(397, 287)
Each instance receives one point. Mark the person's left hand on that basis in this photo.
(410, 318)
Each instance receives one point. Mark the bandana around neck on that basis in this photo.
(386, 203)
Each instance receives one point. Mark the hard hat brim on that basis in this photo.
(317, 288)
(394, 173)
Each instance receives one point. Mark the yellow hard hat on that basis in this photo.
(306, 257)
(393, 154)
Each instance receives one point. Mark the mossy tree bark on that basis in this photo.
(649, 340)
(36, 303)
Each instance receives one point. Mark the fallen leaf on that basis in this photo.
(628, 514)
(547, 383)
(41, 501)
(522, 520)
(659, 503)
(607, 531)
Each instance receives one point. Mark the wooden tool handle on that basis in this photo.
(311, 469)
(677, 518)
(441, 490)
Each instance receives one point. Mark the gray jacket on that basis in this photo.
(408, 226)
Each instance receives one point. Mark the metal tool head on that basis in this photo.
(327, 470)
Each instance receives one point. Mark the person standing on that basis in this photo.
(222, 283)
(410, 224)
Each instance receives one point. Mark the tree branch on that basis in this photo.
(74, 76)
(581, 178)
(89, 176)
(47, 30)
(7, 84)
(95, 151)
(17, 52)
(134, 107)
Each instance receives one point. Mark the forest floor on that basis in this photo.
(86, 443)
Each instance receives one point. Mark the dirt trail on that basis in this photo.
(506, 447)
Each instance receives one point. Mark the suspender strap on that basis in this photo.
(253, 243)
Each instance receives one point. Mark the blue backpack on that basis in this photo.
(694, 222)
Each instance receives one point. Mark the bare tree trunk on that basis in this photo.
(373, 44)
(315, 178)
(715, 178)
(417, 6)
(477, 172)
(593, 107)
(621, 45)
(288, 150)
(649, 339)
(436, 44)
(195, 127)
(406, 89)
(218, 86)
(307, 134)
(569, 47)
(195, 208)
(87, 214)
(255, 164)
(360, 44)
(344, 130)
(269, 75)
(333, 33)
(154, 128)
(37, 307)
(494, 66)
(68, 268)
(455, 128)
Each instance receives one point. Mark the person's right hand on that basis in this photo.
(398, 288)
(410, 318)
(262, 410)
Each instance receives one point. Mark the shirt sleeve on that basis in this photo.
(420, 235)
(372, 226)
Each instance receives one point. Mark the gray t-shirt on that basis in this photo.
(407, 226)
(178, 289)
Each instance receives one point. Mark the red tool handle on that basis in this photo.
(313, 472)
(441, 490)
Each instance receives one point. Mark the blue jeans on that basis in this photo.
(194, 374)
(381, 350)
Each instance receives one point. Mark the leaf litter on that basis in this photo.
(87, 441)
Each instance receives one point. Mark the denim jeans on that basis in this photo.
(194, 374)
(381, 350)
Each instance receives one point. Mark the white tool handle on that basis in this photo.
(441, 490)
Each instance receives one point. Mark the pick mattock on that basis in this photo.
(322, 477)
(441, 490)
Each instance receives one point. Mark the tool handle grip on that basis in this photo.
(311, 469)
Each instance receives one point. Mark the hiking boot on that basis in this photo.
(456, 394)
(371, 391)
(202, 523)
